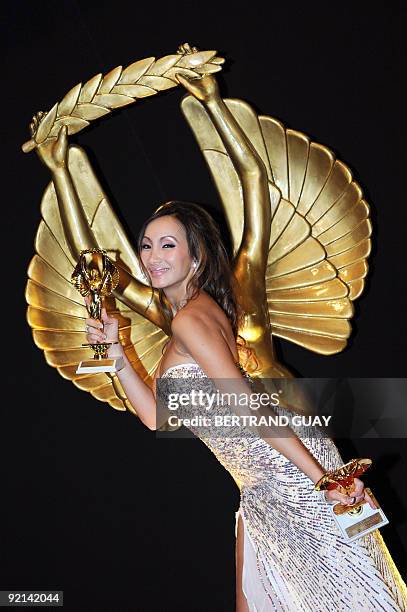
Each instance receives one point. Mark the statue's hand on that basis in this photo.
(204, 89)
(54, 151)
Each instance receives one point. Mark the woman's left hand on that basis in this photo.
(357, 495)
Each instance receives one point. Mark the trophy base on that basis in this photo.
(361, 520)
(93, 366)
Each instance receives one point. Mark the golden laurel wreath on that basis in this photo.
(102, 94)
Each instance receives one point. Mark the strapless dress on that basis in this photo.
(295, 558)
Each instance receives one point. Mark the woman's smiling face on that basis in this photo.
(165, 253)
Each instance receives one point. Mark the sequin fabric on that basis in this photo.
(302, 561)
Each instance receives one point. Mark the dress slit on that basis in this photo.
(262, 591)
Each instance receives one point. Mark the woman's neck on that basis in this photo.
(178, 300)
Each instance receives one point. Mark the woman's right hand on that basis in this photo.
(357, 495)
(105, 331)
(54, 151)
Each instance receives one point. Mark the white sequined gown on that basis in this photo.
(294, 556)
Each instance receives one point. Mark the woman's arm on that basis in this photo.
(139, 394)
(206, 344)
(78, 234)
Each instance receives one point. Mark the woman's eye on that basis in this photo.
(168, 244)
(145, 246)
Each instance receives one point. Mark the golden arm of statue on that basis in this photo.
(249, 167)
(79, 236)
(251, 260)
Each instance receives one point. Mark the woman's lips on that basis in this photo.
(158, 271)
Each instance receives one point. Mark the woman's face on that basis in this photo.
(165, 253)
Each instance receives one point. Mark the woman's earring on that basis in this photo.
(194, 263)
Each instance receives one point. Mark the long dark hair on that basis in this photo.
(213, 272)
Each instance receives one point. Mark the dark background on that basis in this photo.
(92, 503)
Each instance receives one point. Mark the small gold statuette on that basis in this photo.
(359, 519)
(95, 275)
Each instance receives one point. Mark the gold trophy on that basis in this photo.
(358, 519)
(95, 275)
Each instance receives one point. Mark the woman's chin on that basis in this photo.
(159, 283)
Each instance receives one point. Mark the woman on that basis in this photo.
(289, 554)
(182, 254)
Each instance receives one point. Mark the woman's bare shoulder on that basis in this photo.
(201, 310)
(203, 317)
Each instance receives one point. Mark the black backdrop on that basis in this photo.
(92, 503)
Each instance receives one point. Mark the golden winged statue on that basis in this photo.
(299, 224)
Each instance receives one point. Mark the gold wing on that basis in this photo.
(56, 311)
(320, 230)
